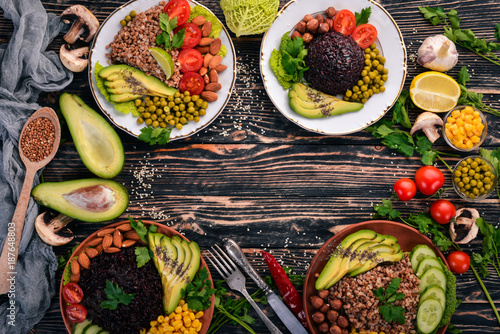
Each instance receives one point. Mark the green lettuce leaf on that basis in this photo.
(249, 17)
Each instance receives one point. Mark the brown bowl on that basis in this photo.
(205, 320)
(407, 237)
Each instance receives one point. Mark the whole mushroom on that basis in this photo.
(74, 60)
(53, 230)
(428, 123)
(466, 222)
(84, 26)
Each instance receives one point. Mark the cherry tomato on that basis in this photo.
(405, 189)
(429, 179)
(192, 35)
(192, 82)
(190, 60)
(365, 35)
(442, 211)
(459, 262)
(344, 22)
(72, 293)
(179, 9)
(76, 312)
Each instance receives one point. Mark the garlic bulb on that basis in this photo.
(438, 53)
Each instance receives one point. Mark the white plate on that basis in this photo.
(105, 35)
(390, 43)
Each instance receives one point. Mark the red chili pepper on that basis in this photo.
(288, 291)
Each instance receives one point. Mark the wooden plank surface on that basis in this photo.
(265, 182)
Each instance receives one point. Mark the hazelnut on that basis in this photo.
(301, 27)
(335, 330)
(329, 22)
(332, 316)
(316, 302)
(312, 25)
(344, 331)
(325, 308)
(323, 293)
(342, 321)
(295, 34)
(318, 317)
(336, 304)
(320, 18)
(324, 328)
(307, 37)
(307, 18)
(330, 12)
(323, 28)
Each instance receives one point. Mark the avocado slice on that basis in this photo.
(97, 143)
(312, 103)
(362, 252)
(88, 200)
(381, 257)
(118, 98)
(136, 81)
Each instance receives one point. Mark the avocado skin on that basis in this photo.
(312, 103)
(97, 143)
(50, 194)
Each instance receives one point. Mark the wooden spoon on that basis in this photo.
(10, 250)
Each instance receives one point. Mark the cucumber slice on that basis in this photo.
(425, 263)
(80, 327)
(434, 291)
(432, 276)
(418, 252)
(429, 315)
(93, 329)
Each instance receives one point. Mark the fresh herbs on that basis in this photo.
(198, 292)
(363, 16)
(167, 37)
(463, 37)
(288, 62)
(143, 254)
(160, 136)
(471, 98)
(490, 248)
(115, 296)
(387, 309)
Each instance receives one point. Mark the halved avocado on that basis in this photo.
(381, 257)
(89, 200)
(97, 143)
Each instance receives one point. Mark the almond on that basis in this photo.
(203, 71)
(75, 267)
(220, 68)
(75, 278)
(206, 79)
(206, 29)
(213, 76)
(128, 243)
(215, 46)
(112, 250)
(84, 260)
(102, 233)
(213, 87)
(207, 59)
(199, 20)
(203, 49)
(107, 241)
(91, 252)
(215, 61)
(205, 41)
(98, 248)
(132, 235)
(95, 242)
(209, 96)
(124, 227)
(117, 239)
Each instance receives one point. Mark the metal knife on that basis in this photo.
(291, 322)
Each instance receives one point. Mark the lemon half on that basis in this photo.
(164, 60)
(434, 91)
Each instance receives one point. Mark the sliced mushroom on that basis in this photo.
(53, 230)
(428, 123)
(464, 225)
(74, 60)
(85, 23)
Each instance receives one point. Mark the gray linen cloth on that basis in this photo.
(26, 69)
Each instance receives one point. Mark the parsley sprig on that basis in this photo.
(363, 16)
(167, 37)
(388, 297)
(471, 98)
(143, 254)
(115, 296)
(198, 292)
(160, 136)
(463, 37)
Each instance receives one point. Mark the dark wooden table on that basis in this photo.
(255, 177)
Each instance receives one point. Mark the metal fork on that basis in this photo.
(236, 281)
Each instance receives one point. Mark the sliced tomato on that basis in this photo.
(179, 9)
(192, 82)
(192, 35)
(190, 60)
(344, 22)
(72, 293)
(365, 35)
(76, 313)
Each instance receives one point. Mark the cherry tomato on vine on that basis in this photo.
(76, 313)
(344, 22)
(405, 189)
(429, 179)
(72, 293)
(459, 262)
(442, 211)
(179, 9)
